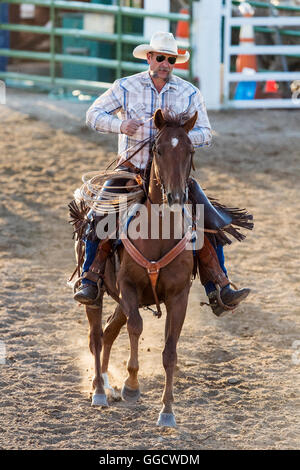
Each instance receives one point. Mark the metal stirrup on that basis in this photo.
(220, 302)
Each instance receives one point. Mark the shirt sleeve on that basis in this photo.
(201, 134)
(101, 116)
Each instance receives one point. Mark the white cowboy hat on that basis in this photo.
(164, 43)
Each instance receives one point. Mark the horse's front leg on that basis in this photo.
(95, 342)
(110, 333)
(129, 305)
(176, 309)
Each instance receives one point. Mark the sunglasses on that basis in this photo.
(161, 58)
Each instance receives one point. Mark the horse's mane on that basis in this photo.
(172, 119)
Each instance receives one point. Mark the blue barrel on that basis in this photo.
(245, 91)
(4, 35)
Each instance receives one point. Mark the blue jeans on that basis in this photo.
(90, 253)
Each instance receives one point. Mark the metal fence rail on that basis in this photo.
(53, 57)
(282, 50)
(267, 5)
(269, 30)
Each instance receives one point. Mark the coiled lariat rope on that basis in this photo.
(102, 198)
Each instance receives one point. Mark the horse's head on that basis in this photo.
(173, 154)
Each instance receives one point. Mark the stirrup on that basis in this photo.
(76, 284)
(220, 302)
(100, 284)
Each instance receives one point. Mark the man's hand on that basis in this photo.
(130, 126)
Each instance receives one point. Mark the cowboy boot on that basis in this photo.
(223, 298)
(88, 293)
(229, 299)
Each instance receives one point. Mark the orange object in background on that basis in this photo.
(271, 87)
(246, 38)
(246, 63)
(182, 31)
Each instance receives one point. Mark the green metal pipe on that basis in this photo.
(80, 34)
(25, 77)
(267, 5)
(98, 8)
(25, 54)
(75, 59)
(52, 43)
(283, 32)
(65, 82)
(264, 29)
(117, 38)
(25, 28)
(119, 41)
(139, 12)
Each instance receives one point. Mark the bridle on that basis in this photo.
(155, 152)
(153, 267)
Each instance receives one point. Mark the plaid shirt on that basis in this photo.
(136, 97)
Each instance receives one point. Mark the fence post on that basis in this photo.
(2, 92)
(207, 50)
(52, 43)
(4, 35)
(151, 25)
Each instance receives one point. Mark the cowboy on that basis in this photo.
(135, 99)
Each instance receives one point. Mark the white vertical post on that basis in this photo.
(2, 92)
(227, 45)
(151, 25)
(207, 49)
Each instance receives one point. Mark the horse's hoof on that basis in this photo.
(166, 419)
(130, 395)
(99, 399)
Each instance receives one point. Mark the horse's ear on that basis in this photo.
(188, 126)
(159, 119)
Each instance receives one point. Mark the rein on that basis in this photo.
(144, 143)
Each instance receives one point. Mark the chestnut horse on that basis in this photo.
(130, 285)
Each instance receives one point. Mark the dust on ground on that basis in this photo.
(237, 384)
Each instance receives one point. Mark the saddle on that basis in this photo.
(218, 218)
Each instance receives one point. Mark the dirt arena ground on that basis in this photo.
(237, 384)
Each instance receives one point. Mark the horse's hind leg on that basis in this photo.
(110, 333)
(95, 342)
(176, 309)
